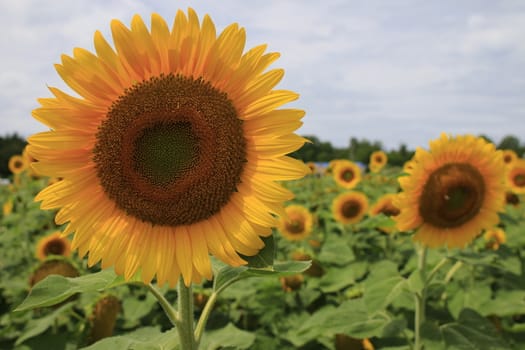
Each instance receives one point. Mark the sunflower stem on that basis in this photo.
(420, 298)
(453, 270)
(436, 268)
(204, 317)
(170, 312)
(185, 324)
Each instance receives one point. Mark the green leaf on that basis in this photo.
(226, 275)
(40, 325)
(336, 279)
(472, 331)
(227, 337)
(336, 251)
(55, 288)
(148, 338)
(416, 282)
(265, 256)
(382, 286)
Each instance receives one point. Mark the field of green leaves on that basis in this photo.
(360, 291)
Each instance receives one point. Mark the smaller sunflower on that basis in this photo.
(53, 244)
(312, 166)
(509, 156)
(512, 198)
(297, 224)
(347, 174)
(17, 164)
(103, 318)
(350, 207)
(377, 161)
(385, 205)
(516, 176)
(56, 266)
(452, 192)
(494, 238)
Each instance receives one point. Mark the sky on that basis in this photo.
(398, 72)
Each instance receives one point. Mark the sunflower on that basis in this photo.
(350, 207)
(452, 192)
(516, 176)
(17, 164)
(346, 174)
(312, 167)
(509, 156)
(103, 318)
(512, 198)
(55, 266)
(173, 150)
(494, 238)
(7, 207)
(53, 244)
(296, 224)
(377, 161)
(385, 205)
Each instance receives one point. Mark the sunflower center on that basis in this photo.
(171, 151)
(350, 209)
(452, 195)
(295, 226)
(18, 164)
(347, 175)
(507, 159)
(390, 210)
(519, 180)
(165, 152)
(379, 159)
(512, 198)
(54, 247)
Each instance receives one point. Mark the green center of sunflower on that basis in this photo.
(350, 209)
(519, 180)
(452, 195)
(347, 175)
(171, 151)
(54, 247)
(165, 151)
(295, 226)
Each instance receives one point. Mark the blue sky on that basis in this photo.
(399, 71)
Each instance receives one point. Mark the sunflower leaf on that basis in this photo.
(55, 288)
(265, 256)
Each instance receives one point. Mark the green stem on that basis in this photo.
(436, 268)
(204, 317)
(420, 298)
(185, 326)
(166, 306)
(453, 270)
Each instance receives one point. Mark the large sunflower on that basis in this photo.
(452, 191)
(377, 161)
(350, 207)
(297, 224)
(347, 174)
(172, 151)
(515, 176)
(53, 244)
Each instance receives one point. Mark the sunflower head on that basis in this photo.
(385, 205)
(17, 164)
(53, 244)
(509, 156)
(296, 224)
(494, 237)
(452, 192)
(515, 177)
(174, 149)
(312, 166)
(512, 198)
(103, 318)
(292, 283)
(350, 207)
(377, 161)
(347, 174)
(53, 266)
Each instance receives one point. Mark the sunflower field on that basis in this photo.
(342, 277)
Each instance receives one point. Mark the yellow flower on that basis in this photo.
(378, 160)
(385, 205)
(516, 176)
(173, 150)
(452, 192)
(7, 207)
(512, 199)
(296, 224)
(17, 164)
(350, 207)
(346, 174)
(312, 167)
(509, 156)
(494, 238)
(53, 244)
